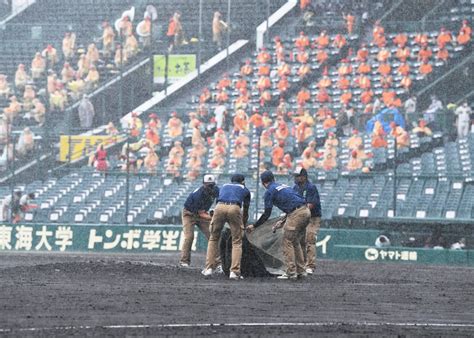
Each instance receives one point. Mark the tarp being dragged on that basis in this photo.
(261, 251)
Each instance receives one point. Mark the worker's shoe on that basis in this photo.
(219, 270)
(286, 276)
(207, 272)
(184, 265)
(309, 271)
(235, 276)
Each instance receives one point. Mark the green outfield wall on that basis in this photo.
(339, 244)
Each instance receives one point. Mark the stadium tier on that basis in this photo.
(332, 100)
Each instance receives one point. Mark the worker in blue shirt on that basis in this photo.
(294, 223)
(310, 193)
(232, 198)
(195, 212)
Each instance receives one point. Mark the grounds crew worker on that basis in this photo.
(294, 223)
(310, 193)
(195, 212)
(232, 197)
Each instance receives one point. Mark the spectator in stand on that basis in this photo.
(350, 21)
(50, 55)
(354, 141)
(100, 159)
(328, 162)
(354, 162)
(28, 96)
(4, 86)
(120, 58)
(86, 113)
(69, 45)
(444, 37)
(92, 54)
(277, 154)
(463, 123)
(21, 77)
(378, 136)
(246, 69)
(27, 203)
(410, 111)
(422, 130)
(67, 73)
(108, 37)
(26, 143)
(83, 66)
(425, 68)
(13, 110)
(151, 161)
(218, 28)
(465, 32)
(131, 47)
(220, 113)
(308, 161)
(92, 78)
(175, 126)
(431, 114)
(38, 66)
(400, 134)
(38, 113)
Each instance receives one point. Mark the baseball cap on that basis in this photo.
(208, 178)
(300, 171)
(237, 178)
(267, 176)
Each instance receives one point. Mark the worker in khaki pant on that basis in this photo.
(195, 212)
(310, 193)
(294, 223)
(232, 197)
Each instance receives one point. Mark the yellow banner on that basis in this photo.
(81, 145)
(179, 65)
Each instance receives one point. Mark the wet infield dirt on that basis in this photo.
(149, 295)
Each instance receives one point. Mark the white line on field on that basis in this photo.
(197, 325)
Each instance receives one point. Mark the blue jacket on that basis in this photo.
(310, 193)
(234, 193)
(201, 199)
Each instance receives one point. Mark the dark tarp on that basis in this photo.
(261, 251)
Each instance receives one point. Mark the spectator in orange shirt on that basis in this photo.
(263, 69)
(329, 122)
(442, 55)
(303, 96)
(421, 39)
(303, 72)
(384, 69)
(345, 68)
(322, 96)
(263, 83)
(256, 119)
(265, 98)
(378, 136)
(378, 34)
(366, 96)
(329, 162)
(400, 40)
(323, 113)
(284, 69)
(247, 69)
(383, 55)
(425, 68)
(277, 154)
(302, 41)
(363, 82)
(403, 53)
(362, 53)
(224, 83)
(343, 83)
(406, 83)
(339, 41)
(205, 95)
(264, 56)
(444, 38)
(279, 50)
(321, 56)
(350, 21)
(402, 137)
(388, 97)
(322, 41)
(302, 56)
(386, 81)
(404, 69)
(364, 68)
(241, 83)
(346, 98)
(282, 132)
(283, 86)
(354, 141)
(354, 163)
(325, 81)
(222, 96)
(243, 100)
(465, 33)
(424, 54)
(241, 123)
(304, 5)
